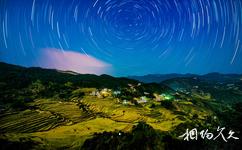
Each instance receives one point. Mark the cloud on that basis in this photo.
(72, 61)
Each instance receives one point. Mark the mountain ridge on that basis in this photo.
(213, 76)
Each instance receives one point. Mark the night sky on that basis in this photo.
(123, 37)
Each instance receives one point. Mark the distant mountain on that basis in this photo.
(17, 77)
(223, 78)
(224, 88)
(21, 76)
(158, 78)
(20, 85)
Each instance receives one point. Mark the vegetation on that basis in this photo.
(50, 109)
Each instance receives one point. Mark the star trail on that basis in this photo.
(131, 37)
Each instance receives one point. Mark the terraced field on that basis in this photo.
(46, 115)
(70, 111)
(159, 117)
(29, 121)
(59, 124)
(112, 109)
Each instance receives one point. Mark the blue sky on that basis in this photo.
(129, 37)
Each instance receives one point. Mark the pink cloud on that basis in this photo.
(72, 61)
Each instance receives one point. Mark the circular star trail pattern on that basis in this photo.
(135, 36)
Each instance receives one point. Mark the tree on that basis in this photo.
(69, 85)
(37, 89)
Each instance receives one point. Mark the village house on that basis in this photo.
(143, 99)
(125, 102)
(106, 92)
(116, 93)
